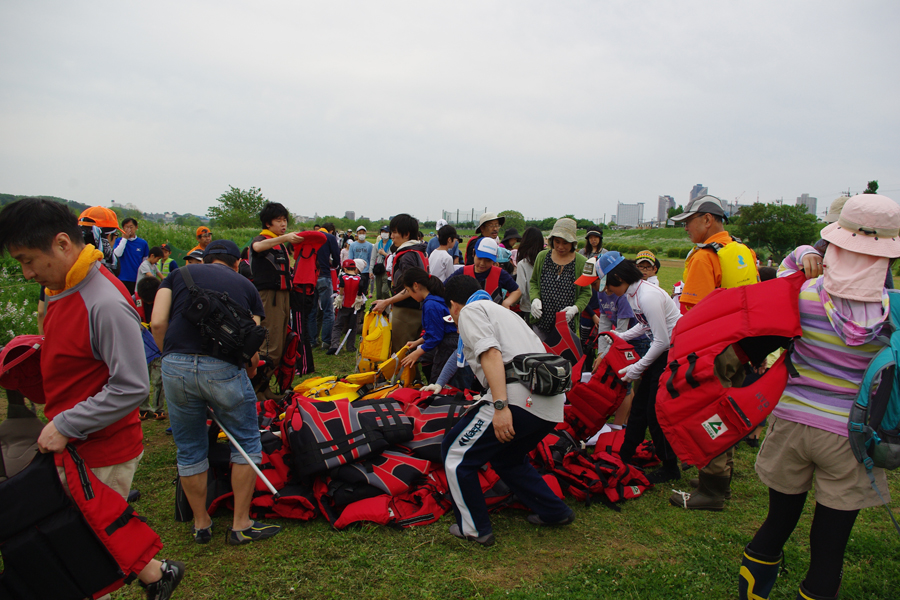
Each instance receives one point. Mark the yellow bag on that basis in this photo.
(390, 370)
(360, 378)
(350, 391)
(376, 337)
(313, 382)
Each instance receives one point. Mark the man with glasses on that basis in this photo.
(717, 261)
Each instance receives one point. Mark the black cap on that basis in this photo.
(222, 247)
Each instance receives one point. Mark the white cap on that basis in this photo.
(361, 228)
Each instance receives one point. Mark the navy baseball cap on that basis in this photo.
(222, 247)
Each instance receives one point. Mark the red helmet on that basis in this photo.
(348, 264)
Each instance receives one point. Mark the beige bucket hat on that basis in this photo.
(868, 224)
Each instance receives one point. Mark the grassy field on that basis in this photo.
(649, 550)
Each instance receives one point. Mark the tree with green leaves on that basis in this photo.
(872, 188)
(674, 211)
(238, 208)
(513, 219)
(777, 227)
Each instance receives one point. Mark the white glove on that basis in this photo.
(360, 303)
(536, 310)
(604, 343)
(571, 312)
(338, 301)
(433, 388)
(631, 372)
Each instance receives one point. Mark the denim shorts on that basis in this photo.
(192, 383)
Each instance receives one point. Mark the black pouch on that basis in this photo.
(543, 374)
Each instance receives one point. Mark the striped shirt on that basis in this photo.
(830, 370)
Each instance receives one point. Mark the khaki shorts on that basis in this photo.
(791, 453)
(118, 477)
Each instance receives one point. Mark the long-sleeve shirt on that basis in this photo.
(433, 312)
(830, 369)
(656, 314)
(95, 370)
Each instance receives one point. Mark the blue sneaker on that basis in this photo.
(256, 532)
(202, 536)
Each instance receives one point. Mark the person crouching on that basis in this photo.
(349, 301)
(508, 424)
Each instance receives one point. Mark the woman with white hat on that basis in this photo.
(552, 287)
(843, 314)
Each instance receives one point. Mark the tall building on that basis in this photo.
(350, 215)
(809, 202)
(630, 215)
(662, 211)
(697, 191)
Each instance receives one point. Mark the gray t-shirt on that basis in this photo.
(484, 325)
(147, 269)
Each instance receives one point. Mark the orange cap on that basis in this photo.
(201, 230)
(100, 216)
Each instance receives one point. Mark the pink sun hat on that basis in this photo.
(868, 224)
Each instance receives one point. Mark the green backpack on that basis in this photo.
(874, 423)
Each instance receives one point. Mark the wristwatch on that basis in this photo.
(499, 404)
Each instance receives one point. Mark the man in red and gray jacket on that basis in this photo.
(93, 363)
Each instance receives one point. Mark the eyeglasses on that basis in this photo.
(646, 267)
(209, 235)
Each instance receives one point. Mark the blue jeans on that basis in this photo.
(324, 291)
(194, 382)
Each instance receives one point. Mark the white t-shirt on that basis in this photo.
(484, 325)
(440, 264)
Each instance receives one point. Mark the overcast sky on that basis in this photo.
(386, 107)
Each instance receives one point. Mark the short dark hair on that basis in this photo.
(406, 225)
(35, 223)
(156, 251)
(328, 226)
(767, 273)
(146, 289)
(625, 272)
(272, 211)
(445, 234)
(460, 288)
(129, 220)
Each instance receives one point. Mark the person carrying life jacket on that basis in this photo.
(492, 279)
(406, 313)
(717, 261)
(350, 299)
(92, 358)
(270, 262)
(844, 317)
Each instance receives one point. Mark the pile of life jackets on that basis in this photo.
(366, 448)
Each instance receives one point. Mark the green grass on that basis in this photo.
(649, 550)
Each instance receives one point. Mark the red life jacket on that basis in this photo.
(491, 284)
(20, 367)
(351, 289)
(325, 435)
(563, 343)
(284, 374)
(611, 443)
(700, 417)
(306, 272)
(391, 472)
(433, 417)
(591, 403)
(90, 550)
(421, 254)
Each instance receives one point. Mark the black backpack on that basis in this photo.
(227, 329)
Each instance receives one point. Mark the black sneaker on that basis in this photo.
(331, 352)
(202, 536)
(172, 572)
(664, 474)
(256, 532)
(134, 495)
(534, 519)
